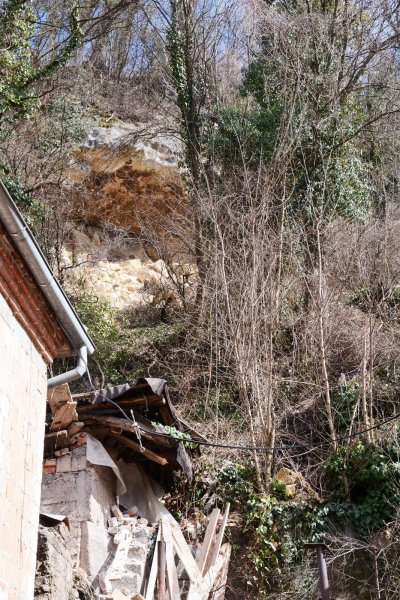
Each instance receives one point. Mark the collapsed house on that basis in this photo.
(103, 530)
(108, 454)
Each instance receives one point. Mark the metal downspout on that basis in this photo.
(73, 374)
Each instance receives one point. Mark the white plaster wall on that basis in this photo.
(23, 389)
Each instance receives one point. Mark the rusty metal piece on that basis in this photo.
(323, 573)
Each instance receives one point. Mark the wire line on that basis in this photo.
(238, 446)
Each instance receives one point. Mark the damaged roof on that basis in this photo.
(130, 418)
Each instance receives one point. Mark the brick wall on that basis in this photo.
(28, 304)
(22, 416)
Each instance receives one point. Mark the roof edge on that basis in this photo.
(42, 273)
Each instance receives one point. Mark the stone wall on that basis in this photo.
(54, 569)
(22, 417)
(56, 578)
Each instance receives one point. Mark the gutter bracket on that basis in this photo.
(76, 373)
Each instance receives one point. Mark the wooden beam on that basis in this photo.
(219, 585)
(185, 555)
(151, 582)
(218, 543)
(125, 425)
(56, 441)
(84, 396)
(203, 559)
(151, 400)
(172, 575)
(160, 460)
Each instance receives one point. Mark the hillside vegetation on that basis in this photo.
(244, 155)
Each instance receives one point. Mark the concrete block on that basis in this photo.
(94, 548)
(54, 577)
(137, 553)
(78, 459)
(64, 464)
(136, 567)
(132, 582)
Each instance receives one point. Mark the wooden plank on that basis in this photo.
(185, 555)
(160, 460)
(208, 542)
(93, 393)
(64, 415)
(172, 575)
(218, 543)
(211, 577)
(151, 583)
(219, 585)
(151, 400)
(55, 441)
(176, 592)
(83, 395)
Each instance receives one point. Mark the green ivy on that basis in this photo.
(236, 136)
(184, 438)
(343, 401)
(373, 475)
(18, 72)
(275, 526)
(65, 127)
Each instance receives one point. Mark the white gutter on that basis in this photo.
(40, 269)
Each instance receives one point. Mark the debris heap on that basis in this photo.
(104, 452)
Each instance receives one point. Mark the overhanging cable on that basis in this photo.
(255, 448)
(308, 445)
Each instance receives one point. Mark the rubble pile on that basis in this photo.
(105, 454)
(133, 539)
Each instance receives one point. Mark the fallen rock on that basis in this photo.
(297, 487)
(116, 512)
(113, 522)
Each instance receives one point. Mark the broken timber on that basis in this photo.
(146, 430)
(210, 569)
(139, 449)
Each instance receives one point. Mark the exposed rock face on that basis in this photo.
(125, 274)
(134, 281)
(128, 175)
(55, 578)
